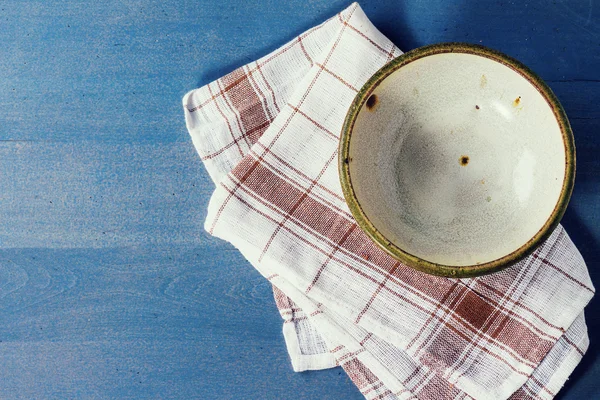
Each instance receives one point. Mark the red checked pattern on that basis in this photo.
(268, 134)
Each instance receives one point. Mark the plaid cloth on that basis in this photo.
(268, 136)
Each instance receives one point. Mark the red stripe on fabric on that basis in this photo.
(381, 285)
(336, 76)
(503, 280)
(261, 95)
(524, 342)
(438, 388)
(451, 293)
(247, 103)
(415, 372)
(295, 319)
(542, 386)
(329, 257)
(297, 204)
(574, 345)
(242, 164)
(521, 394)
(316, 216)
(308, 117)
(290, 311)
(472, 301)
(455, 295)
(548, 263)
(268, 85)
(348, 355)
(335, 350)
(300, 173)
(286, 306)
(281, 300)
(205, 102)
(444, 350)
(367, 337)
(390, 54)
(220, 151)
(243, 131)
(299, 185)
(383, 395)
(376, 386)
(517, 339)
(501, 331)
(517, 304)
(359, 373)
(236, 140)
(304, 51)
(257, 130)
(366, 37)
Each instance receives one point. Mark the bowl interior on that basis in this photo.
(457, 159)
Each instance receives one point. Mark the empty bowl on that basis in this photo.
(457, 160)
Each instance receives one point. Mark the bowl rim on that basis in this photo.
(415, 261)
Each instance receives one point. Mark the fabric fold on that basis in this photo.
(268, 135)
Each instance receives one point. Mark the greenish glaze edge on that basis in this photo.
(410, 259)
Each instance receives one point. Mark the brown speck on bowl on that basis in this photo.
(372, 102)
(517, 101)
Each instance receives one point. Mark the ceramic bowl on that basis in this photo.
(457, 160)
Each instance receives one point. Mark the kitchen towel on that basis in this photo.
(268, 135)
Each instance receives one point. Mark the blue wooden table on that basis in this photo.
(109, 287)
